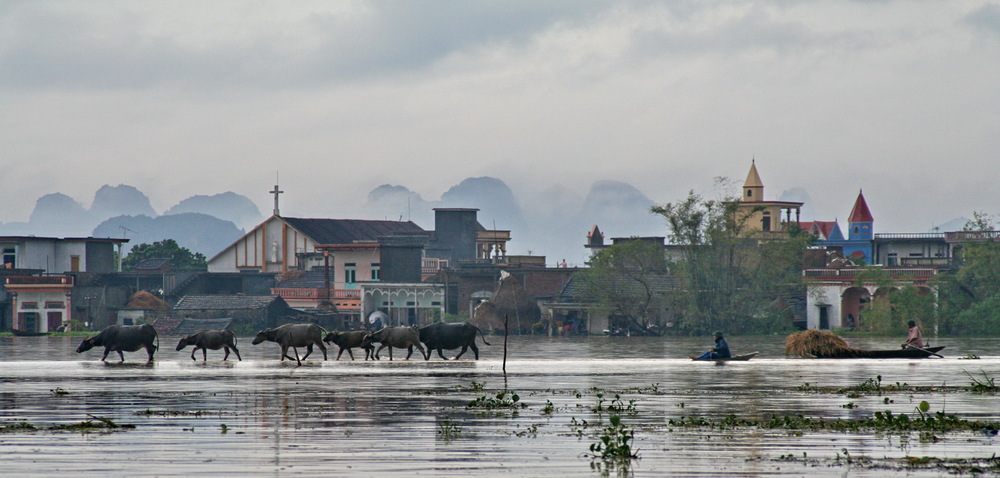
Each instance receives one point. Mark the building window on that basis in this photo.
(9, 257)
(749, 193)
(765, 222)
(29, 305)
(350, 273)
(54, 305)
(376, 271)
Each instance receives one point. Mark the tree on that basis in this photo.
(729, 278)
(180, 257)
(630, 279)
(970, 294)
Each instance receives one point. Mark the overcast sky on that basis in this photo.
(900, 99)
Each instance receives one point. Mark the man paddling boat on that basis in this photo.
(915, 338)
(720, 351)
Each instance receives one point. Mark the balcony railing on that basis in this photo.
(40, 280)
(318, 294)
(850, 274)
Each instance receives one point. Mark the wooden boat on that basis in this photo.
(734, 358)
(909, 353)
(24, 333)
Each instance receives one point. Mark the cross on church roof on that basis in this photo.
(276, 192)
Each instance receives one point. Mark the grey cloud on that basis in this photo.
(47, 46)
(986, 18)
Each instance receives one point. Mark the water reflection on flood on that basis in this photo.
(334, 418)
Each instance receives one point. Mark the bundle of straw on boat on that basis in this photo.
(814, 343)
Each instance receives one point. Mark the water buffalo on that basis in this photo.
(399, 337)
(295, 336)
(349, 340)
(451, 336)
(123, 338)
(211, 339)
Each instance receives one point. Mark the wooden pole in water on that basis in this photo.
(506, 319)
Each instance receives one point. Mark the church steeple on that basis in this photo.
(860, 222)
(753, 188)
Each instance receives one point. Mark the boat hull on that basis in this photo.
(734, 358)
(882, 354)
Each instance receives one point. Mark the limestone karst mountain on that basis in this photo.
(228, 206)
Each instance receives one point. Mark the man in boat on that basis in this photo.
(720, 351)
(915, 338)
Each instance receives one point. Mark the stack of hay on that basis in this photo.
(143, 300)
(812, 343)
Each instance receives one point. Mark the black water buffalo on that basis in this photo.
(451, 336)
(295, 336)
(211, 339)
(399, 337)
(349, 340)
(123, 338)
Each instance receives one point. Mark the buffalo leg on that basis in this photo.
(226, 356)
(380, 347)
(475, 349)
(426, 354)
(441, 354)
(195, 349)
(464, 349)
(120, 354)
(409, 352)
(296, 349)
(106, 352)
(204, 354)
(323, 348)
(149, 349)
(309, 350)
(237, 353)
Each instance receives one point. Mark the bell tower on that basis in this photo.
(753, 188)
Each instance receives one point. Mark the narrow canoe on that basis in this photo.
(897, 353)
(734, 358)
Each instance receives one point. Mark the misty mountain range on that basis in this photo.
(555, 223)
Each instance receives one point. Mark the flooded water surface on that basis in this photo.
(261, 416)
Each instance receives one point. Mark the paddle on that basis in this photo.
(910, 346)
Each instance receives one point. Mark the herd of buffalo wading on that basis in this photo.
(437, 336)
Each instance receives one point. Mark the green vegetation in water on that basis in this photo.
(617, 405)
(504, 399)
(614, 446)
(880, 421)
(98, 424)
(178, 413)
(59, 392)
(969, 357)
(985, 385)
(954, 466)
(449, 430)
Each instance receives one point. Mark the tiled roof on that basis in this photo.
(575, 289)
(225, 302)
(192, 326)
(314, 279)
(151, 264)
(348, 231)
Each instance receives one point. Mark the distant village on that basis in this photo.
(340, 273)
